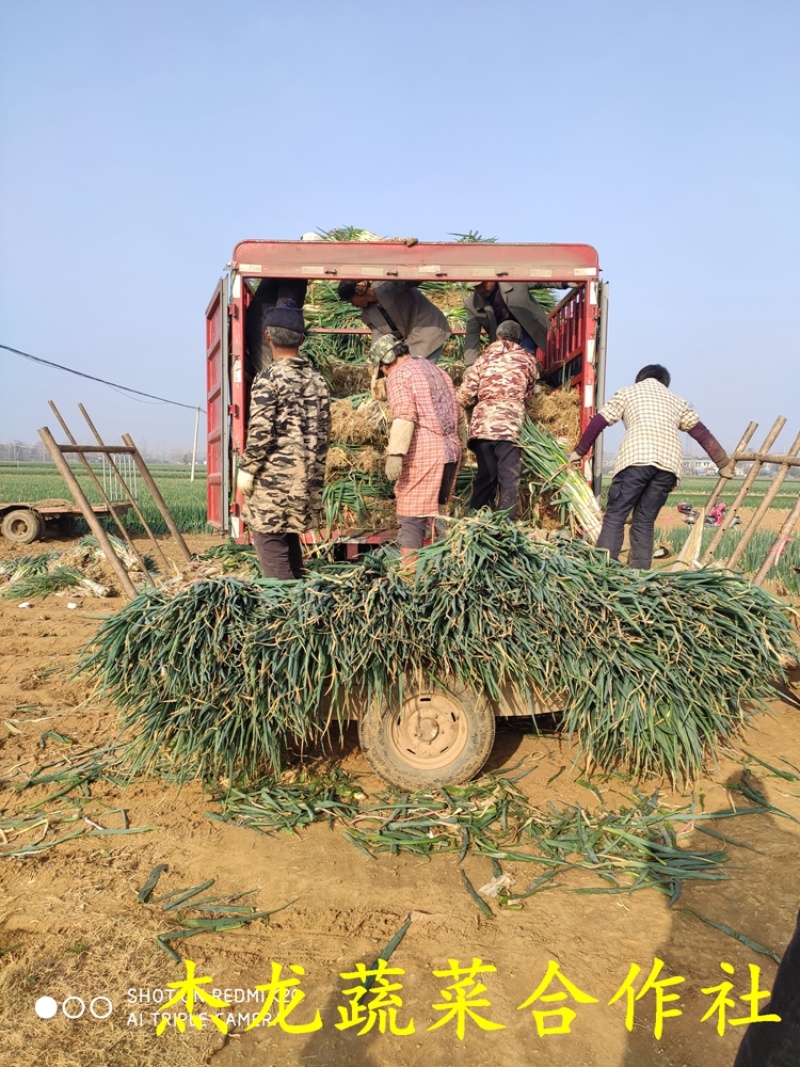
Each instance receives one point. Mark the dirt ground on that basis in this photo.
(73, 929)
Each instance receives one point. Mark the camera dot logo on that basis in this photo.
(46, 1007)
(74, 1008)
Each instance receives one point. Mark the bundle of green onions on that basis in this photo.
(545, 464)
(650, 670)
(32, 576)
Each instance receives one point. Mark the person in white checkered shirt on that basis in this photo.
(649, 462)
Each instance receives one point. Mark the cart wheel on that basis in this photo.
(22, 526)
(434, 737)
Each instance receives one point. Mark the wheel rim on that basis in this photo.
(429, 731)
(20, 527)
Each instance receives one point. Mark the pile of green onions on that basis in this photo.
(650, 670)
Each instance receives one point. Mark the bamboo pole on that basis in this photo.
(131, 497)
(762, 508)
(107, 450)
(783, 538)
(732, 512)
(194, 446)
(88, 514)
(690, 552)
(158, 498)
(768, 457)
(88, 467)
(722, 482)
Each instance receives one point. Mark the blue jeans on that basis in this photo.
(643, 491)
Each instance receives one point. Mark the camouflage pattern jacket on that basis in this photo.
(496, 387)
(287, 441)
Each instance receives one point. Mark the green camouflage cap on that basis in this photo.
(385, 349)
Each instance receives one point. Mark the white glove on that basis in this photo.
(394, 467)
(400, 437)
(463, 428)
(574, 457)
(377, 388)
(245, 483)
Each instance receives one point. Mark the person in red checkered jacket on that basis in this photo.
(424, 449)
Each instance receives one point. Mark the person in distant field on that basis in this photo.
(400, 309)
(491, 303)
(282, 469)
(495, 389)
(424, 449)
(649, 462)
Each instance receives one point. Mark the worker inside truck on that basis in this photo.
(491, 303)
(270, 293)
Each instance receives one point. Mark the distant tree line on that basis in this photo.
(20, 452)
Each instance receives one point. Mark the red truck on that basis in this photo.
(576, 342)
(437, 734)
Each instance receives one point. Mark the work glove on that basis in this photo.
(377, 387)
(394, 467)
(574, 457)
(727, 469)
(400, 435)
(245, 483)
(463, 428)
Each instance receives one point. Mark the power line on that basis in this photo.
(91, 377)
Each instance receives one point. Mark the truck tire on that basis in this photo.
(22, 525)
(436, 736)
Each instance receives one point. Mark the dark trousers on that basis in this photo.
(777, 1044)
(498, 468)
(641, 490)
(279, 555)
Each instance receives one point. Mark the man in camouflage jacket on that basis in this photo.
(496, 387)
(282, 469)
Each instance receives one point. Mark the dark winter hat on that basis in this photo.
(288, 315)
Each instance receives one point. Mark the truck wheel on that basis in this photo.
(435, 737)
(22, 526)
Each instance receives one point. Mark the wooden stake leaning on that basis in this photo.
(96, 482)
(58, 452)
(743, 491)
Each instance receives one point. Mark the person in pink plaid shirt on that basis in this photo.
(649, 461)
(424, 449)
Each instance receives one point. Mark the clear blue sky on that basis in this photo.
(141, 141)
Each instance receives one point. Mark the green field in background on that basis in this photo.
(186, 499)
(696, 491)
